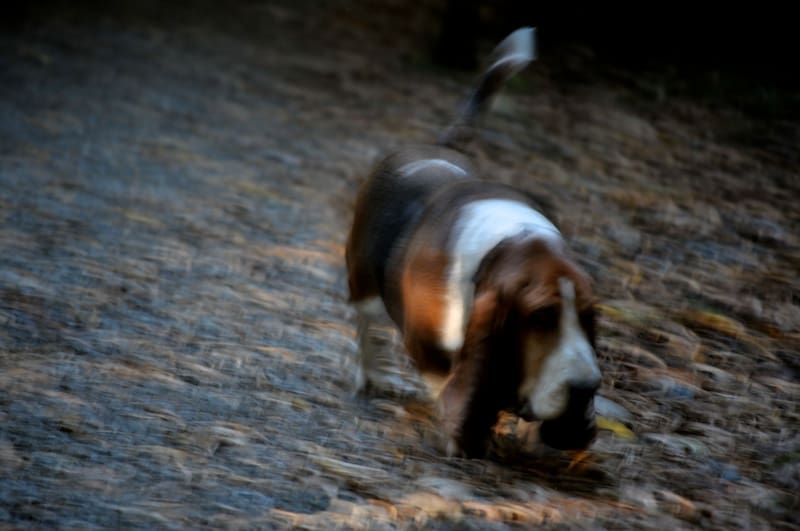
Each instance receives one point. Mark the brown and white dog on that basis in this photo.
(493, 310)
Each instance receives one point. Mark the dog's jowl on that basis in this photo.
(493, 310)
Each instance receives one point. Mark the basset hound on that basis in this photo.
(493, 310)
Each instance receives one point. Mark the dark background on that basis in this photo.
(754, 39)
(742, 55)
(746, 38)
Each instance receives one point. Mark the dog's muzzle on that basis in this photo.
(576, 428)
(525, 411)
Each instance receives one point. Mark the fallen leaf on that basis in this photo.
(679, 506)
(617, 428)
(430, 504)
(715, 322)
(577, 459)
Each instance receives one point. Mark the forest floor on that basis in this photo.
(176, 349)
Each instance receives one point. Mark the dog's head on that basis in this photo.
(543, 317)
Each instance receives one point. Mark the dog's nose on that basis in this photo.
(525, 411)
(581, 392)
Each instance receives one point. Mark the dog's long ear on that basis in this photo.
(501, 272)
(471, 399)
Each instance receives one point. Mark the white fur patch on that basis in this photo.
(570, 361)
(482, 225)
(417, 165)
(519, 47)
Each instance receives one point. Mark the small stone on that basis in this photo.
(606, 408)
(628, 238)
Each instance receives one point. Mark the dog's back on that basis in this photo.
(388, 206)
(398, 190)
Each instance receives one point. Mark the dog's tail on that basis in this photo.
(512, 55)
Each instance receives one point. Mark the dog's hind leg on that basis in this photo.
(370, 313)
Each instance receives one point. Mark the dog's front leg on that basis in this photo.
(451, 386)
(466, 419)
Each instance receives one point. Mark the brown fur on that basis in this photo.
(518, 279)
(409, 195)
(423, 308)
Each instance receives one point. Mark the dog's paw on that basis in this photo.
(443, 444)
(371, 388)
(360, 381)
(453, 449)
(385, 383)
(391, 390)
(370, 384)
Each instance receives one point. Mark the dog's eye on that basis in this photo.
(544, 319)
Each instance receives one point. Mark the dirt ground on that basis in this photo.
(175, 345)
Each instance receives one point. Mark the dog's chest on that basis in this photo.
(480, 226)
